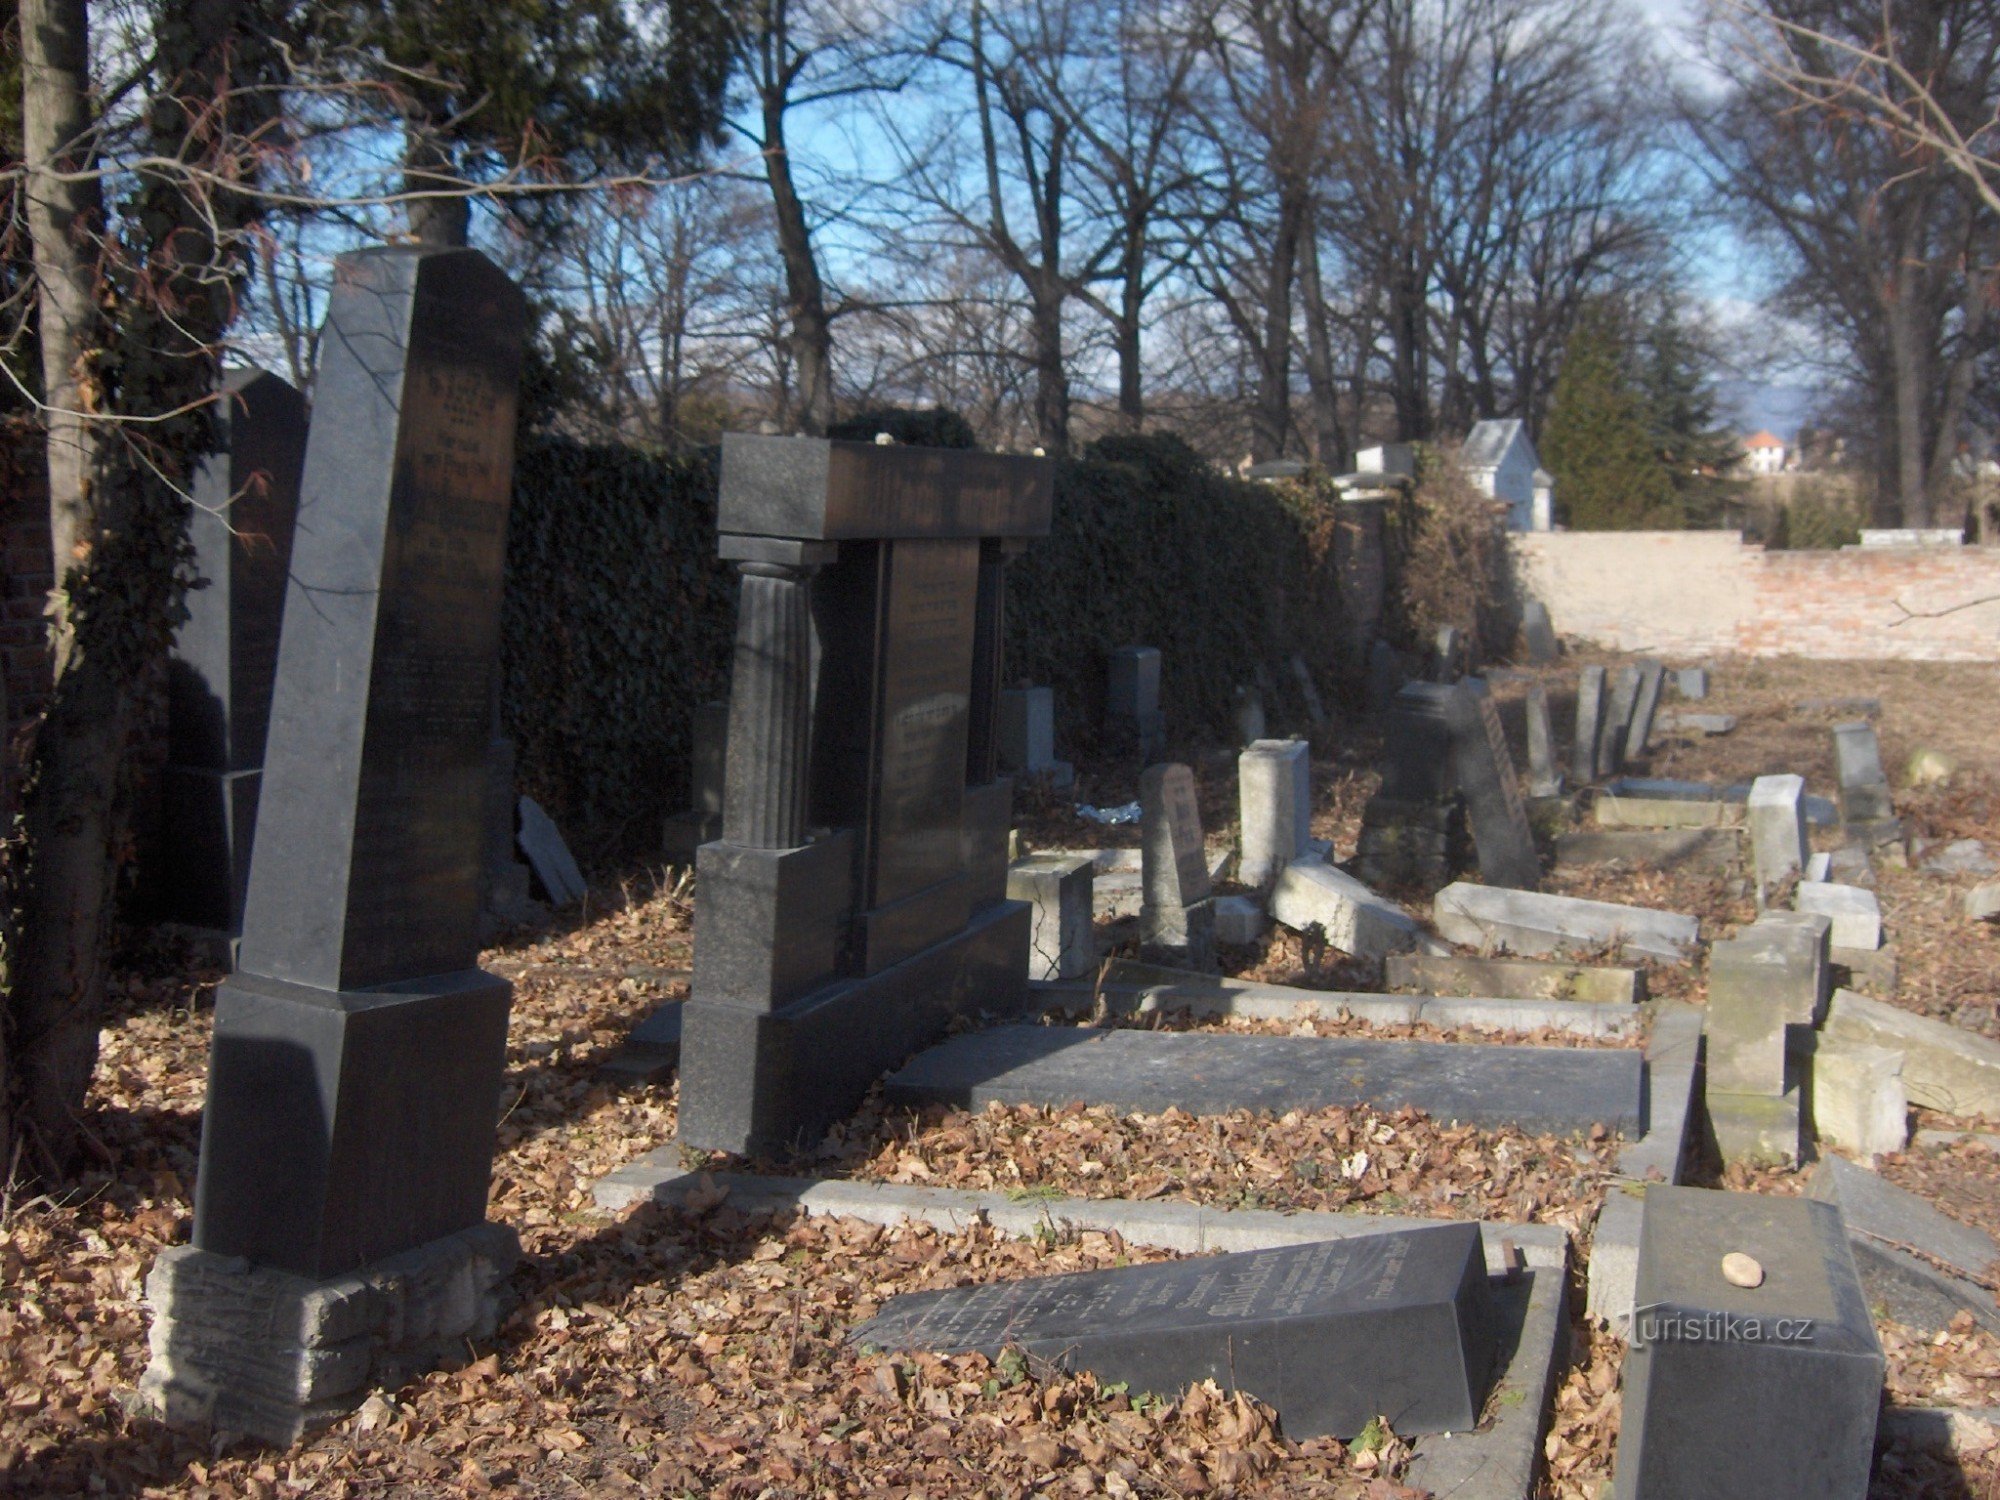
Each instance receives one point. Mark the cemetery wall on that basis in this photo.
(1707, 592)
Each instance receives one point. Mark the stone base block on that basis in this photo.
(270, 1355)
(757, 1082)
(1181, 937)
(1764, 1131)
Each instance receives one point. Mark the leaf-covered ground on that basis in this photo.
(705, 1353)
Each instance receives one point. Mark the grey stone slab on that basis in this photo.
(1484, 771)
(1538, 633)
(1859, 1103)
(1920, 1266)
(548, 855)
(1274, 793)
(1176, 921)
(1353, 918)
(1617, 722)
(651, 1051)
(1959, 857)
(1855, 913)
(1330, 1334)
(1590, 694)
(1544, 774)
(1702, 724)
(1777, 824)
(1515, 978)
(1645, 705)
(1982, 902)
(1239, 920)
(1945, 1067)
(1768, 1392)
(1765, 1130)
(1691, 682)
(1650, 848)
(1536, 925)
(1758, 983)
(1058, 892)
(1864, 785)
(1538, 1088)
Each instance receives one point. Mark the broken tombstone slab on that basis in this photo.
(1538, 633)
(1856, 914)
(1777, 823)
(1691, 682)
(1758, 983)
(1666, 789)
(1865, 804)
(1617, 722)
(1960, 857)
(1274, 793)
(1872, 972)
(1239, 920)
(1590, 693)
(1982, 902)
(1536, 925)
(1512, 979)
(548, 856)
(1945, 1067)
(1332, 1334)
(1768, 1391)
(1484, 771)
(1544, 774)
(1805, 1004)
(1918, 1262)
(1819, 868)
(1644, 706)
(1177, 919)
(1664, 812)
(1650, 848)
(1709, 725)
(1059, 894)
(1858, 1100)
(1216, 1073)
(1763, 1130)
(1351, 917)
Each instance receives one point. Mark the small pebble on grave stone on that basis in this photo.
(1742, 1270)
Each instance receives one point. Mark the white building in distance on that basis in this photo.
(1499, 459)
(1763, 454)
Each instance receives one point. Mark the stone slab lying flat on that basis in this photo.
(1650, 848)
(1537, 925)
(652, 1049)
(1921, 1265)
(1514, 979)
(1353, 918)
(1148, 1072)
(1665, 812)
(1944, 1066)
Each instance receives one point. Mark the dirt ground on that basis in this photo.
(705, 1353)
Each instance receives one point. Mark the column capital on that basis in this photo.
(778, 552)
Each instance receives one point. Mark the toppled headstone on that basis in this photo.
(1858, 1100)
(1723, 1396)
(1645, 704)
(1777, 832)
(1622, 811)
(1670, 789)
(1923, 1265)
(1027, 744)
(1856, 914)
(1538, 633)
(1529, 923)
(1852, 708)
(1691, 682)
(1217, 1072)
(1590, 693)
(1806, 1005)
(1819, 868)
(1352, 918)
(1177, 921)
(1702, 724)
(1485, 774)
(1331, 1333)
(1945, 1067)
(1871, 971)
(1059, 895)
(1133, 723)
(549, 857)
(1866, 810)
(1274, 794)
(1544, 774)
(1650, 848)
(1512, 979)
(1617, 722)
(1960, 857)
(1757, 984)
(1239, 920)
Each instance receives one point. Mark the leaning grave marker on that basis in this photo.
(347, 1140)
(863, 705)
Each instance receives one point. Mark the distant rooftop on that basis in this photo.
(1488, 443)
(1763, 440)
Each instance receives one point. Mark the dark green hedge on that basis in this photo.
(618, 618)
(617, 622)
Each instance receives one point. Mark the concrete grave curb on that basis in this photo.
(1498, 1462)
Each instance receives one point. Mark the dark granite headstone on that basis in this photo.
(1133, 722)
(357, 1051)
(1537, 633)
(855, 903)
(1485, 773)
(1589, 724)
(1385, 676)
(1763, 1393)
(225, 655)
(1617, 722)
(1412, 830)
(1652, 677)
(1177, 920)
(1398, 1325)
(1214, 1073)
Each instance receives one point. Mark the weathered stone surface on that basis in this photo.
(1132, 718)
(1757, 983)
(1865, 803)
(1777, 832)
(1982, 902)
(1760, 1129)
(1805, 1003)
(1207, 1072)
(1644, 706)
(1513, 978)
(1538, 633)
(1663, 812)
(1945, 1067)
(1692, 682)
(1239, 920)
(1858, 1100)
(548, 855)
(1589, 724)
(1057, 891)
(1702, 724)
(1617, 722)
(1176, 922)
(1872, 972)
(1922, 1264)
(1274, 792)
(1027, 736)
(1757, 1412)
(1535, 925)
(1959, 857)
(1484, 772)
(1330, 1334)
(1353, 918)
(1650, 848)
(1856, 914)
(1544, 774)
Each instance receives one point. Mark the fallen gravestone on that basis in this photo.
(225, 654)
(1353, 919)
(1692, 682)
(1855, 913)
(1650, 849)
(1536, 925)
(1274, 794)
(1982, 903)
(856, 904)
(1538, 633)
(1923, 1266)
(1133, 723)
(1332, 1334)
(1215, 1073)
(1644, 706)
(1589, 725)
(1239, 920)
(1960, 857)
(1852, 708)
(1768, 979)
(1625, 811)
(1544, 774)
(549, 857)
(1617, 722)
(1866, 810)
(1703, 724)
(1764, 1392)
(357, 1051)
(1484, 772)
(1177, 921)
(1858, 1100)
(1945, 1067)
(1512, 979)
(1777, 822)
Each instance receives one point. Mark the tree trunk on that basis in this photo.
(1329, 441)
(1051, 377)
(1271, 414)
(809, 331)
(428, 168)
(1907, 356)
(1127, 329)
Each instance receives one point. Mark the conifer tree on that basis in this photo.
(1597, 444)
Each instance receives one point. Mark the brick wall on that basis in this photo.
(1702, 592)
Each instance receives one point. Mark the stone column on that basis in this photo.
(982, 739)
(770, 708)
